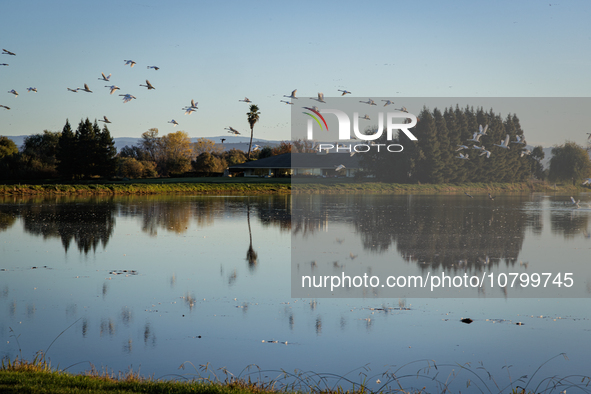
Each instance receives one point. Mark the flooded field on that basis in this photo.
(154, 282)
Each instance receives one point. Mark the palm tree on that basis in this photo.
(253, 117)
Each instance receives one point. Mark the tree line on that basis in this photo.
(434, 157)
(89, 151)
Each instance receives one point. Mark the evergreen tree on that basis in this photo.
(67, 152)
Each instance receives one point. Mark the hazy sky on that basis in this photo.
(219, 52)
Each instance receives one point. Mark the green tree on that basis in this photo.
(7, 147)
(39, 155)
(67, 152)
(253, 117)
(570, 163)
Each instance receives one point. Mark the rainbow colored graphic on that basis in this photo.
(315, 118)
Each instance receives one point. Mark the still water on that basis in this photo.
(153, 282)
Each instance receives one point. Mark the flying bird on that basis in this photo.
(388, 102)
(13, 92)
(190, 110)
(222, 139)
(86, 89)
(127, 97)
(478, 147)
(32, 90)
(3, 64)
(461, 156)
(5, 52)
(520, 140)
(468, 195)
(292, 95)
(460, 147)
(485, 152)
(130, 62)
(286, 102)
(73, 90)
(232, 130)
(504, 144)
(482, 131)
(403, 109)
(525, 153)
(256, 147)
(105, 120)
(320, 98)
(339, 167)
(193, 105)
(585, 182)
(154, 67)
(174, 122)
(104, 78)
(490, 197)
(369, 101)
(4, 106)
(366, 117)
(113, 88)
(246, 100)
(148, 85)
(475, 137)
(344, 92)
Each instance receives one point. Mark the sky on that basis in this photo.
(217, 53)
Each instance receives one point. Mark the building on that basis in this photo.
(300, 164)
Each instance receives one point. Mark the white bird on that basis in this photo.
(154, 67)
(104, 78)
(460, 147)
(388, 102)
(339, 167)
(130, 62)
(232, 130)
(344, 92)
(504, 144)
(127, 97)
(587, 181)
(148, 85)
(478, 147)
(256, 147)
(13, 92)
(86, 89)
(4, 106)
(292, 95)
(485, 152)
(366, 117)
(5, 52)
(482, 131)
(461, 156)
(193, 105)
(246, 100)
(369, 101)
(475, 137)
(174, 122)
(106, 120)
(113, 88)
(190, 110)
(286, 102)
(73, 90)
(403, 109)
(575, 202)
(525, 152)
(320, 98)
(519, 140)
(32, 90)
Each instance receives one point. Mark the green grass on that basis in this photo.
(269, 186)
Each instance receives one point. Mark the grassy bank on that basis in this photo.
(38, 377)
(272, 186)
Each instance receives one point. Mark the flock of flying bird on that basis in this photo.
(504, 144)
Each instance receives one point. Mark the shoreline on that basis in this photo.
(266, 186)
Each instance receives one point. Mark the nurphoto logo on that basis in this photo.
(389, 122)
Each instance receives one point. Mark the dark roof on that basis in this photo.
(303, 160)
